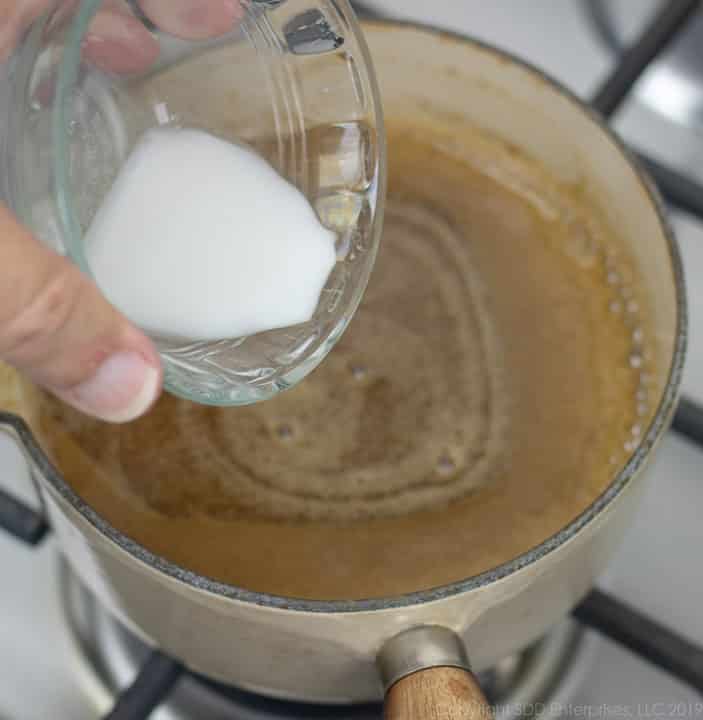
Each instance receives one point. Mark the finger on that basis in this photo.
(118, 42)
(194, 19)
(15, 17)
(56, 326)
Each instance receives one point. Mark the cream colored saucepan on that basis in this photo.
(420, 649)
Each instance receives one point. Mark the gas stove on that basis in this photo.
(631, 650)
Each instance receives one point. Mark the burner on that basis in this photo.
(673, 85)
(536, 681)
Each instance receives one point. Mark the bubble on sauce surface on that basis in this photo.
(446, 465)
(581, 243)
(359, 372)
(613, 278)
(285, 432)
(636, 360)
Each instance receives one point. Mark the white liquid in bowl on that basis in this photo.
(203, 240)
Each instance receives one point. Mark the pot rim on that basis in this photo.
(654, 432)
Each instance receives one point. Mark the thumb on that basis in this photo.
(57, 328)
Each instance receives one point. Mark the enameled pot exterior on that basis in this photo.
(329, 656)
(328, 652)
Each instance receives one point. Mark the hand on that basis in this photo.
(55, 324)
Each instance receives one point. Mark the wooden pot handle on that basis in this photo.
(438, 693)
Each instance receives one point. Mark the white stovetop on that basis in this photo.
(658, 569)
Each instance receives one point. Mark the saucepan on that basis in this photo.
(422, 648)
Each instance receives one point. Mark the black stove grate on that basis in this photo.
(661, 30)
(152, 686)
(644, 636)
(621, 623)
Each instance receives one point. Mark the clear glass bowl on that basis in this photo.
(294, 81)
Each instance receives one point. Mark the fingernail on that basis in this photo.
(124, 387)
(119, 43)
(209, 19)
(234, 9)
(194, 19)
